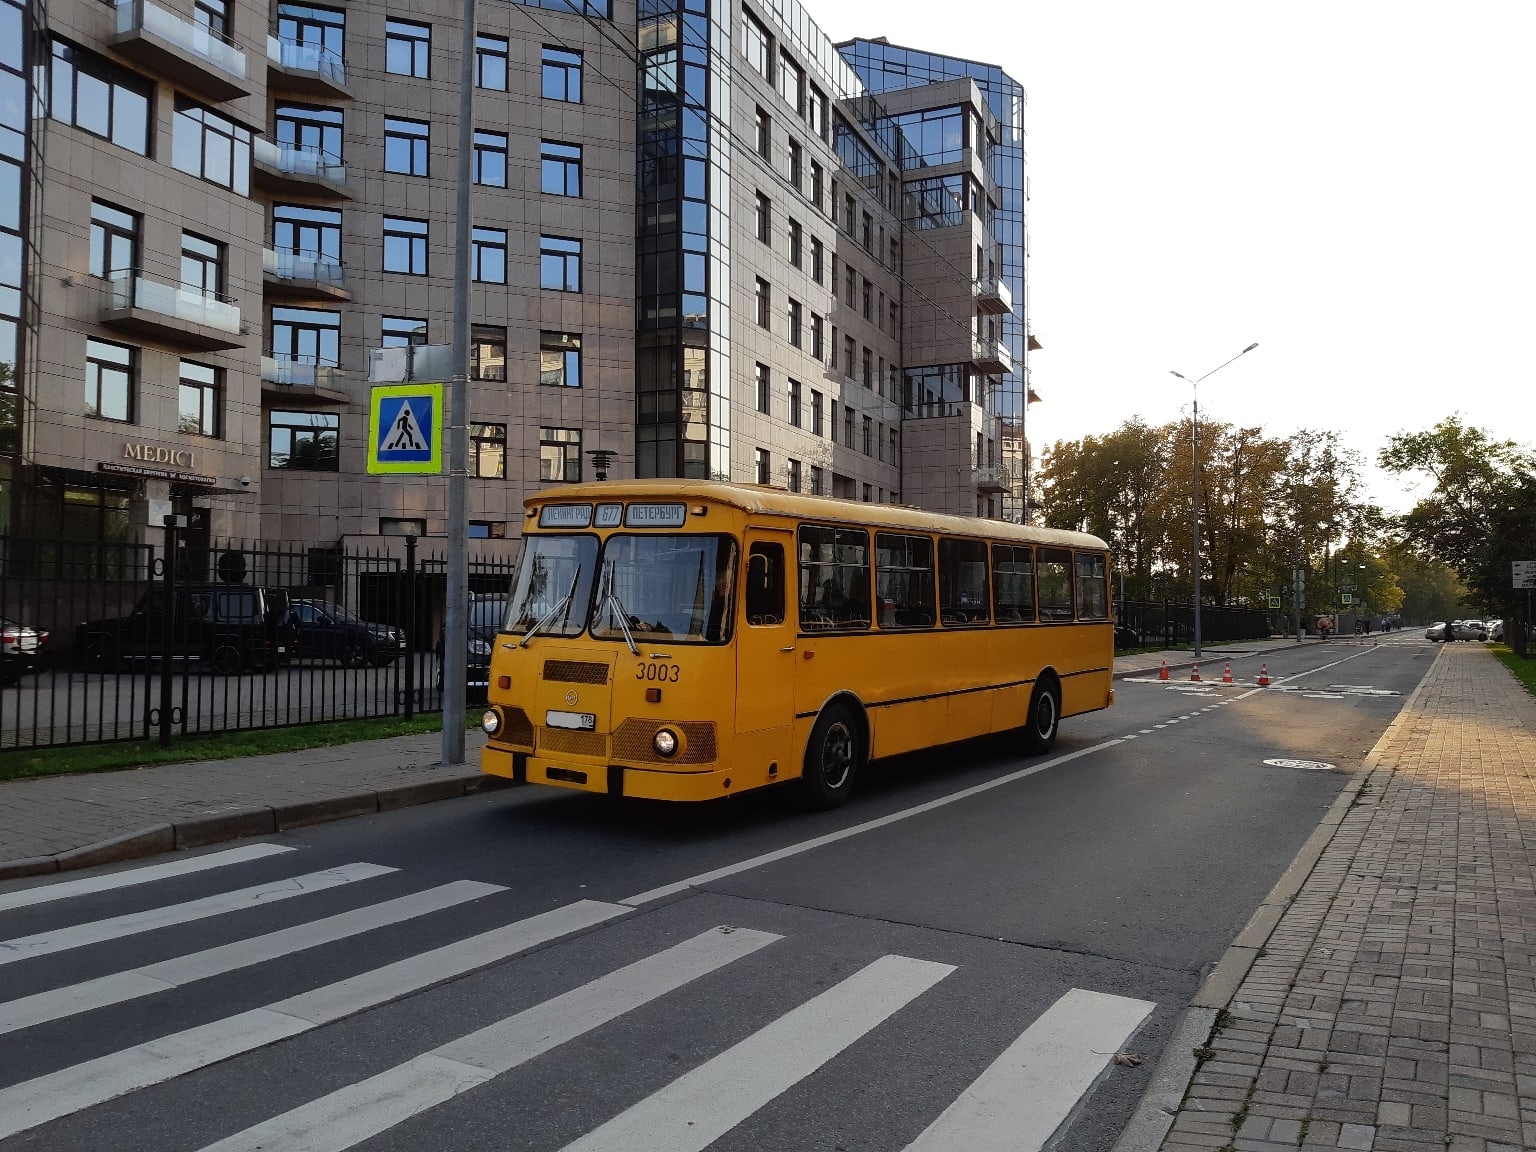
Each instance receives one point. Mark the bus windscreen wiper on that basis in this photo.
(616, 606)
(549, 616)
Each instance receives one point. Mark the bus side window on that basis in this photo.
(765, 584)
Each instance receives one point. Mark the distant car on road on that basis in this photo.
(330, 632)
(1435, 631)
(22, 649)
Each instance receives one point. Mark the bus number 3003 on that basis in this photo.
(667, 672)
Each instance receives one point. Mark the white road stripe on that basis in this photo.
(24, 897)
(701, 1106)
(26, 1105)
(1017, 1104)
(146, 981)
(858, 829)
(353, 1114)
(132, 923)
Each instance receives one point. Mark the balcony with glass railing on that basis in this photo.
(285, 169)
(294, 377)
(991, 356)
(993, 296)
(303, 275)
(171, 312)
(990, 477)
(310, 69)
(191, 54)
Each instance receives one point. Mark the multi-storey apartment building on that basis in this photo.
(706, 240)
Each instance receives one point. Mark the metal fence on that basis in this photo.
(103, 642)
(1142, 623)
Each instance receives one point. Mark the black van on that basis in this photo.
(228, 627)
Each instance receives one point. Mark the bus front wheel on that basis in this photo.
(1044, 717)
(832, 758)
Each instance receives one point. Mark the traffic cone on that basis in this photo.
(1162, 673)
(1264, 676)
(1194, 672)
(1226, 673)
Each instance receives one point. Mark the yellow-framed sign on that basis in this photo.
(405, 430)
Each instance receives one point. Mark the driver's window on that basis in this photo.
(765, 584)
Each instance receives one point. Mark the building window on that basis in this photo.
(757, 45)
(848, 210)
(894, 327)
(817, 426)
(321, 32)
(761, 395)
(848, 349)
(405, 146)
(562, 75)
(202, 265)
(212, 148)
(314, 131)
(197, 399)
(818, 344)
(401, 332)
(488, 256)
(868, 367)
(866, 299)
(561, 168)
(763, 297)
(764, 134)
(405, 245)
(818, 183)
(794, 318)
(850, 286)
(868, 441)
(792, 83)
(307, 233)
(794, 403)
(488, 353)
(488, 451)
(486, 530)
(560, 454)
(796, 164)
(407, 48)
(867, 233)
(491, 63)
(792, 475)
(114, 240)
(764, 219)
(307, 336)
(402, 526)
(895, 452)
(97, 97)
(491, 159)
(818, 260)
(559, 264)
(869, 494)
(110, 379)
(796, 243)
(848, 415)
(560, 360)
(303, 441)
(818, 484)
(816, 112)
(764, 465)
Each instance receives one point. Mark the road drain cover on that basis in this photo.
(1309, 765)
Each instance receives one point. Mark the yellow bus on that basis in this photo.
(684, 640)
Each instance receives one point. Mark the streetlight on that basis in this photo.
(1194, 444)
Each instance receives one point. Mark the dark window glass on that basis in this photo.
(962, 582)
(1013, 583)
(834, 576)
(560, 454)
(904, 580)
(314, 131)
(757, 45)
(304, 441)
(114, 240)
(488, 451)
(307, 233)
(560, 359)
(765, 585)
(212, 148)
(488, 353)
(307, 336)
(110, 377)
(1092, 587)
(198, 399)
(1053, 577)
(99, 97)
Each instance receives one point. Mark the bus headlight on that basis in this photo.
(665, 742)
(491, 721)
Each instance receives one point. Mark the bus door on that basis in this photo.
(765, 637)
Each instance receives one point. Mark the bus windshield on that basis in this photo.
(556, 572)
(665, 587)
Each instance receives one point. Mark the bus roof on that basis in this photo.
(766, 501)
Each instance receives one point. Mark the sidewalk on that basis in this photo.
(1393, 1004)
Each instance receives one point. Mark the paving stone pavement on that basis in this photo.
(1394, 1006)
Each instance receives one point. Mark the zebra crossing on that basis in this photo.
(1017, 1102)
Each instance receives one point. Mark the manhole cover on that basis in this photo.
(1309, 765)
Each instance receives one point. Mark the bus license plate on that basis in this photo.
(581, 721)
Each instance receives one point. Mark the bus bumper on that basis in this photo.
(613, 779)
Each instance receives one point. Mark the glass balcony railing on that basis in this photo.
(141, 16)
(287, 264)
(297, 373)
(993, 354)
(189, 305)
(993, 295)
(298, 57)
(299, 161)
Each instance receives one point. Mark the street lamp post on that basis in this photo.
(1194, 445)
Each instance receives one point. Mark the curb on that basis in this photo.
(255, 821)
(1159, 1105)
(1207, 658)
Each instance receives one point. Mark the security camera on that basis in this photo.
(245, 481)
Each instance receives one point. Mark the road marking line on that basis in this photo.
(699, 1107)
(62, 891)
(359, 1111)
(26, 1105)
(1017, 1104)
(132, 983)
(857, 829)
(132, 923)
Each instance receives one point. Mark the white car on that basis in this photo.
(1435, 631)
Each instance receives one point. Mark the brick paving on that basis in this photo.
(1394, 1006)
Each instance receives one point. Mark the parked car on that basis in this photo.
(1469, 630)
(1435, 631)
(22, 649)
(329, 632)
(1127, 637)
(485, 614)
(1496, 631)
(228, 627)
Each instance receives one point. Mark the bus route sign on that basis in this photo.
(405, 430)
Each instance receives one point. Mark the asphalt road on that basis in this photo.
(966, 902)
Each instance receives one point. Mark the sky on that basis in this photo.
(1351, 184)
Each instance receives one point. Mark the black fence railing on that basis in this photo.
(1141, 623)
(107, 641)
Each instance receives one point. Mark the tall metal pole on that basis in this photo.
(455, 631)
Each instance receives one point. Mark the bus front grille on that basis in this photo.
(575, 672)
(634, 742)
(572, 743)
(517, 729)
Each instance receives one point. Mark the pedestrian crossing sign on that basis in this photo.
(1274, 601)
(405, 430)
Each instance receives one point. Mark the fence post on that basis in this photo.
(168, 631)
(410, 619)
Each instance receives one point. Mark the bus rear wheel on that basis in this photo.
(1044, 717)
(832, 758)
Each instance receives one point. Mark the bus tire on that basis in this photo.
(1044, 717)
(832, 758)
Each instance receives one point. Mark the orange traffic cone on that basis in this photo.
(1264, 676)
(1194, 672)
(1162, 673)
(1226, 673)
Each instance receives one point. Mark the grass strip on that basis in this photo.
(1522, 670)
(22, 764)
